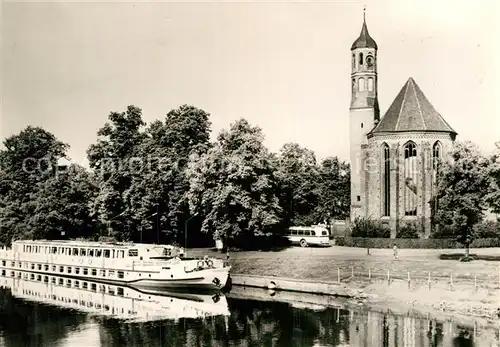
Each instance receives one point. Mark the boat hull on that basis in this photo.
(215, 279)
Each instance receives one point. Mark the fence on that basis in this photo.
(478, 281)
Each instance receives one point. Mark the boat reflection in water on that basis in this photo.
(39, 310)
(114, 301)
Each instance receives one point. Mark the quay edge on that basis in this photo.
(291, 284)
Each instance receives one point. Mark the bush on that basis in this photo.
(408, 230)
(488, 229)
(363, 242)
(364, 227)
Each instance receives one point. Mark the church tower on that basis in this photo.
(364, 110)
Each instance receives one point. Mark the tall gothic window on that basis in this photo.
(436, 156)
(410, 179)
(353, 61)
(360, 58)
(386, 180)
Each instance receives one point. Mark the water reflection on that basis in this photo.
(38, 310)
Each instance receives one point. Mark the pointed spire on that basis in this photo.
(364, 40)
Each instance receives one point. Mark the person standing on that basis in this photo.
(395, 252)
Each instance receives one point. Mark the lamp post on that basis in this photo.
(186, 232)
(157, 224)
(109, 221)
(152, 215)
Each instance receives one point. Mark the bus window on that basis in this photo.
(300, 232)
(313, 233)
(324, 233)
(307, 233)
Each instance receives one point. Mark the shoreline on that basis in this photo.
(325, 301)
(459, 303)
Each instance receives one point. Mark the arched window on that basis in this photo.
(436, 157)
(353, 85)
(370, 84)
(386, 180)
(410, 179)
(360, 58)
(361, 84)
(353, 61)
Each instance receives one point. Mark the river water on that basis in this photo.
(54, 311)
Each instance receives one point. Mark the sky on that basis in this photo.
(282, 65)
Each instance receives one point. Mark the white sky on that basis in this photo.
(284, 66)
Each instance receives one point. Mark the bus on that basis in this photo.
(304, 236)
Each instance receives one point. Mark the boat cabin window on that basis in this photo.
(133, 253)
(75, 251)
(162, 251)
(98, 252)
(83, 251)
(324, 233)
(106, 253)
(121, 254)
(91, 253)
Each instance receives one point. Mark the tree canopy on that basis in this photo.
(462, 185)
(146, 181)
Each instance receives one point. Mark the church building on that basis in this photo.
(393, 158)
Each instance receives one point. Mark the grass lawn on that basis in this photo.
(322, 263)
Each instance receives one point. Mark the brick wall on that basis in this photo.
(371, 177)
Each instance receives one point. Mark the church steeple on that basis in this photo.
(364, 110)
(364, 40)
(364, 72)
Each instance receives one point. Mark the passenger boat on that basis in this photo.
(114, 301)
(138, 265)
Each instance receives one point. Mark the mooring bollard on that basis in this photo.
(338, 275)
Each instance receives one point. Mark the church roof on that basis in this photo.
(364, 40)
(411, 111)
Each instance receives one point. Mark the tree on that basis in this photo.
(334, 189)
(298, 176)
(113, 158)
(157, 193)
(28, 160)
(60, 206)
(462, 186)
(233, 185)
(493, 196)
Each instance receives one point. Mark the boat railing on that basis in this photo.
(147, 263)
